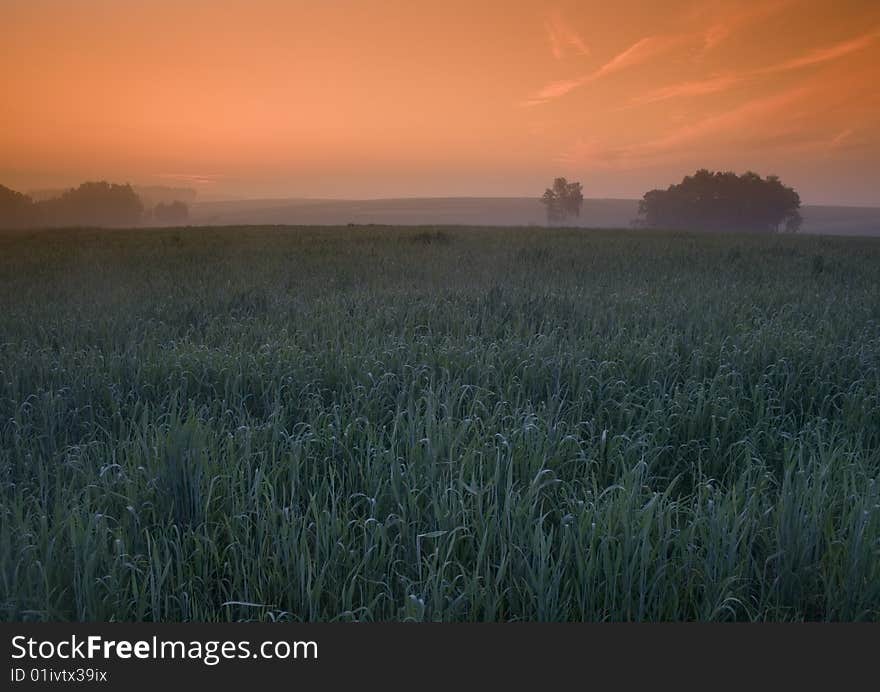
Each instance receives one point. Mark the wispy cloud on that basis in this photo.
(563, 37)
(650, 47)
(719, 83)
(732, 129)
(737, 121)
(697, 87)
(826, 54)
(841, 138)
(739, 18)
(638, 53)
(191, 178)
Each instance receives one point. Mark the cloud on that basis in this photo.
(638, 53)
(191, 178)
(782, 125)
(822, 55)
(699, 87)
(562, 37)
(741, 17)
(718, 83)
(649, 47)
(739, 122)
(841, 137)
(641, 51)
(555, 90)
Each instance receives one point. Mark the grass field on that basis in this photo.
(453, 424)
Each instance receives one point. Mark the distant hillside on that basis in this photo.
(842, 220)
(481, 211)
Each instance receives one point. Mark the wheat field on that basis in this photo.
(438, 424)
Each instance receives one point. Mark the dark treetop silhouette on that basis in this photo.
(725, 201)
(16, 209)
(562, 200)
(93, 204)
(90, 204)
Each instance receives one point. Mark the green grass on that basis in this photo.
(453, 424)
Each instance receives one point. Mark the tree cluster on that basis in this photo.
(723, 201)
(90, 204)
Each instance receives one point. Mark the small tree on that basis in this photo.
(562, 200)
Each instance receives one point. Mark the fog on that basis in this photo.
(483, 211)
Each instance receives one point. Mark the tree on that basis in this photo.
(172, 214)
(562, 200)
(16, 209)
(724, 201)
(93, 204)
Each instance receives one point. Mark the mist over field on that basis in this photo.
(482, 211)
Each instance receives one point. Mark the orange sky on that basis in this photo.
(344, 98)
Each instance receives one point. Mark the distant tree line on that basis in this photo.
(707, 200)
(90, 204)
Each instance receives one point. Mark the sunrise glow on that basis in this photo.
(378, 99)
